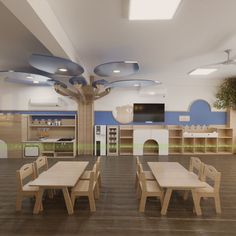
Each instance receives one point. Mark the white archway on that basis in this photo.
(161, 136)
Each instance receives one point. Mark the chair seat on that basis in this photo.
(81, 186)
(29, 188)
(149, 175)
(152, 186)
(86, 175)
(207, 189)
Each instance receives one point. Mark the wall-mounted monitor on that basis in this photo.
(149, 112)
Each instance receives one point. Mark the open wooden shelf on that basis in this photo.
(199, 145)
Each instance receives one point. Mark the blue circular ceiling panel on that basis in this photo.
(131, 83)
(117, 69)
(55, 65)
(78, 80)
(26, 78)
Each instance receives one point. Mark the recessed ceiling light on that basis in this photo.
(136, 85)
(152, 9)
(11, 71)
(151, 93)
(157, 82)
(116, 71)
(36, 82)
(130, 62)
(29, 77)
(63, 69)
(203, 71)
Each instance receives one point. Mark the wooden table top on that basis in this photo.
(62, 174)
(174, 175)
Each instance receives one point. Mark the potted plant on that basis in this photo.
(226, 95)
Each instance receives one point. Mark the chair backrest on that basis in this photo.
(209, 172)
(96, 171)
(41, 163)
(98, 159)
(98, 165)
(26, 171)
(196, 166)
(143, 181)
(91, 181)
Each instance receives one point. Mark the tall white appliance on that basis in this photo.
(100, 140)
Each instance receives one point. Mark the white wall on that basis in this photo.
(17, 96)
(178, 96)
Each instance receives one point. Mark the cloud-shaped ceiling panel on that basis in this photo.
(131, 83)
(26, 78)
(78, 80)
(55, 65)
(117, 69)
(99, 82)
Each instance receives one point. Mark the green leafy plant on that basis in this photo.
(226, 95)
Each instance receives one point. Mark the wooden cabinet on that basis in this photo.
(112, 140)
(126, 140)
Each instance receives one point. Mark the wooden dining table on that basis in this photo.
(62, 175)
(173, 176)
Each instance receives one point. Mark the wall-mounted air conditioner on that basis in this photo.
(43, 102)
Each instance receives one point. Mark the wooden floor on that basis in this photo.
(117, 209)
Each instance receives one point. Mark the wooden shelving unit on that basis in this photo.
(175, 140)
(200, 145)
(112, 140)
(126, 140)
(52, 127)
(225, 140)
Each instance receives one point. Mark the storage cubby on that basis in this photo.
(175, 132)
(175, 145)
(225, 145)
(112, 140)
(225, 132)
(211, 145)
(126, 140)
(199, 145)
(188, 145)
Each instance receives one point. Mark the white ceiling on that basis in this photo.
(16, 42)
(165, 50)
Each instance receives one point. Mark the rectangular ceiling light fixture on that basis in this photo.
(152, 9)
(203, 71)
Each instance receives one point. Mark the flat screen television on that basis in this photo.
(149, 112)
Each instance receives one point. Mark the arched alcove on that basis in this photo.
(151, 147)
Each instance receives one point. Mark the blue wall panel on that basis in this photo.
(200, 114)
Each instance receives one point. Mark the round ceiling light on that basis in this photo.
(117, 69)
(55, 65)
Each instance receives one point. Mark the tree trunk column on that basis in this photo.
(85, 128)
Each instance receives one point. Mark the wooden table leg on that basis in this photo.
(38, 201)
(166, 201)
(196, 203)
(68, 201)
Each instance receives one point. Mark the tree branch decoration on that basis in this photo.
(226, 95)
